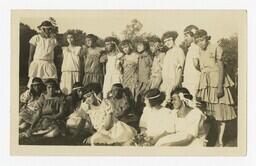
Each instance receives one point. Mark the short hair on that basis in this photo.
(127, 42)
(51, 81)
(112, 39)
(92, 87)
(93, 37)
(155, 97)
(154, 39)
(191, 29)
(170, 34)
(185, 92)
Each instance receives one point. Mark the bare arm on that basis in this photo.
(32, 49)
(196, 64)
(178, 139)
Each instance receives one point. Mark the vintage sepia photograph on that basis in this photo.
(128, 82)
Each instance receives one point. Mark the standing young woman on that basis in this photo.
(41, 53)
(214, 83)
(130, 67)
(191, 68)
(71, 65)
(156, 70)
(173, 64)
(93, 69)
(113, 64)
(145, 64)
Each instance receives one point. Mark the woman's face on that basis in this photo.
(88, 42)
(47, 31)
(140, 47)
(109, 46)
(50, 89)
(188, 39)
(70, 39)
(126, 49)
(169, 42)
(176, 101)
(153, 46)
(37, 88)
(90, 98)
(202, 43)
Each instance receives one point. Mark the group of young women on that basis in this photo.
(142, 92)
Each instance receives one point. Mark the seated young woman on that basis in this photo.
(78, 121)
(28, 101)
(187, 122)
(49, 117)
(109, 130)
(155, 121)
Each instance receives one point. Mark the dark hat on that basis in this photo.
(37, 81)
(170, 34)
(191, 29)
(201, 33)
(46, 24)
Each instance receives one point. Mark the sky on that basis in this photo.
(218, 24)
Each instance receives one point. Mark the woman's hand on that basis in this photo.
(220, 92)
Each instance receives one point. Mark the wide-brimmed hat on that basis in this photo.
(45, 24)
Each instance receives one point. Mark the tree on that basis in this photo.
(132, 30)
(230, 58)
(25, 34)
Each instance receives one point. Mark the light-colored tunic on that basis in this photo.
(156, 122)
(192, 124)
(173, 61)
(42, 65)
(113, 72)
(191, 74)
(70, 68)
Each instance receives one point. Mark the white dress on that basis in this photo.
(118, 133)
(42, 65)
(156, 122)
(192, 124)
(113, 74)
(70, 68)
(173, 61)
(191, 74)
